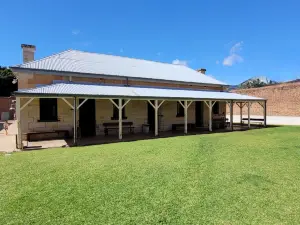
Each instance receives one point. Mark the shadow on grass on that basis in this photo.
(96, 140)
(255, 180)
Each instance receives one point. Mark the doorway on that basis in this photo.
(87, 118)
(151, 116)
(199, 109)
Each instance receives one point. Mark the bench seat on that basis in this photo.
(47, 135)
(115, 126)
(181, 126)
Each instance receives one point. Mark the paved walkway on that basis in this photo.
(8, 143)
(273, 120)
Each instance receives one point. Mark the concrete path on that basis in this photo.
(8, 143)
(272, 120)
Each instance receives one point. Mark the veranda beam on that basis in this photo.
(68, 103)
(30, 100)
(18, 115)
(82, 103)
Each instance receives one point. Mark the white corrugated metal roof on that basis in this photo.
(99, 64)
(78, 89)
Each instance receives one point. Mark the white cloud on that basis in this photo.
(234, 56)
(180, 62)
(75, 32)
(232, 59)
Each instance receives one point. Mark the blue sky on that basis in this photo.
(233, 40)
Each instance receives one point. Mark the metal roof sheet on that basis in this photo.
(99, 64)
(96, 90)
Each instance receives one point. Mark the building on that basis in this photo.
(100, 93)
(282, 106)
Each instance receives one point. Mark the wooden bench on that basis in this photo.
(257, 121)
(47, 135)
(115, 126)
(181, 126)
(219, 121)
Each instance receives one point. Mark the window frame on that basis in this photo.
(180, 109)
(45, 116)
(216, 108)
(115, 112)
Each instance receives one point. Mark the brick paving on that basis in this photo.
(8, 143)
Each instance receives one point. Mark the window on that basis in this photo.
(215, 108)
(180, 109)
(116, 110)
(48, 109)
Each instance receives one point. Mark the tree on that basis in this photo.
(253, 84)
(7, 86)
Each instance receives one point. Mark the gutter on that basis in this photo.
(42, 95)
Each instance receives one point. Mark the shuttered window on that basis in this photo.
(116, 110)
(215, 108)
(180, 110)
(48, 109)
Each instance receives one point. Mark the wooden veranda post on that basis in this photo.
(241, 113)
(75, 121)
(185, 116)
(210, 115)
(249, 105)
(18, 115)
(120, 119)
(156, 116)
(265, 113)
(231, 115)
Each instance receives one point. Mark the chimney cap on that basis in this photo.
(202, 70)
(28, 46)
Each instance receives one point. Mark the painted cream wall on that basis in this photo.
(168, 111)
(135, 111)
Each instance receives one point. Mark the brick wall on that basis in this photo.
(282, 100)
(31, 80)
(5, 103)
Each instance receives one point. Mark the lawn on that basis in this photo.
(250, 177)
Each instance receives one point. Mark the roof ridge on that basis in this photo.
(55, 54)
(128, 57)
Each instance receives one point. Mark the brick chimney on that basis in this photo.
(28, 52)
(202, 70)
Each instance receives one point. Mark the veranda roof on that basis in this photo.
(69, 89)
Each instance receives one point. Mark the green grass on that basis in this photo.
(248, 177)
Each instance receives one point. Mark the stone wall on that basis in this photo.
(136, 112)
(282, 100)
